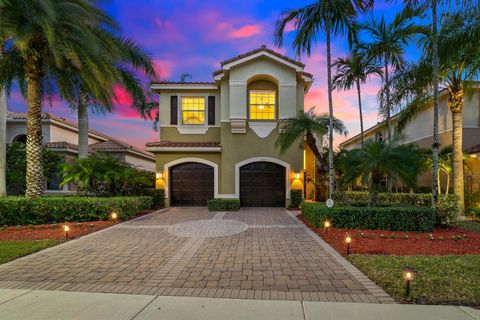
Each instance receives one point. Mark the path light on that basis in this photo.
(348, 239)
(409, 276)
(326, 225)
(66, 229)
(114, 216)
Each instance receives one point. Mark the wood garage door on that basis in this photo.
(191, 184)
(262, 184)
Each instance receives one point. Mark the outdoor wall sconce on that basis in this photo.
(297, 175)
(409, 275)
(348, 239)
(66, 229)
(159, 175)
(159, 182)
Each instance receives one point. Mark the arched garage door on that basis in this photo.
(191, 184)
(262, 184)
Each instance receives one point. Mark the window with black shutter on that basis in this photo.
(173, 110)
(211, 110)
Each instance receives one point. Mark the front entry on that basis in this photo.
(191, 184)
(262, 184)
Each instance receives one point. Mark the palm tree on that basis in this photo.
(353, 71)
(388, 41)
(3, 137)
(334, 18)
(307, 127)
(43, 37)
(377, 159)
(459, 66)
(120, 56)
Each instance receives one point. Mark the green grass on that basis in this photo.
(440, 279)
(10, 250)
(469, 225)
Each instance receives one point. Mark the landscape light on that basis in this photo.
(348, 239)
(409, 276)
(326, 225)
(114, 215)
(66, 229)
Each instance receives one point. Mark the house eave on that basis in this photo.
(184, 149)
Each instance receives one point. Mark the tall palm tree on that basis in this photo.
(121, 57)
(459, 66)
(354, 70)
(377, 158)
(43, 37)
(333, 17)
(3, 137)
(306, 128)
(387, 44)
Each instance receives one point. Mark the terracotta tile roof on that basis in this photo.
(473, 149)
(109, 145)
(184, 82)
(61, 145)
(262, 48)
(171, 144)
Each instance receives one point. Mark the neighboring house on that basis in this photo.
(419, 131)
(217, 139)
(61, 136)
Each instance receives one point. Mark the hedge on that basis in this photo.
(385, 218)
(411, 199)
(158, 196)
(296, 198)
(223, 205)
(54, 209)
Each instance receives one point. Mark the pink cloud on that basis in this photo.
(163, 68)
(246, 31)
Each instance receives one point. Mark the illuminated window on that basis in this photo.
(262, 105)
(193, 110)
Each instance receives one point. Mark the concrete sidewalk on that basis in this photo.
(40, 304)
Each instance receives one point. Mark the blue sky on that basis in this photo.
(194, 35)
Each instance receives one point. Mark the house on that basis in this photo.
(61, 136)
(217, 139)
(419, 131)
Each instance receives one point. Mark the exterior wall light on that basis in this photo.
(348, 240)
(159, 175)
(409, 276)
(297, 175)
(66, 229)
(159, 182)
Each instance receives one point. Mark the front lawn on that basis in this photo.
(10, 250)
(440, 280)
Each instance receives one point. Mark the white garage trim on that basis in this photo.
(167, 166)
(240, 164)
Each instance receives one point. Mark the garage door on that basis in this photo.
(262, 184)
(191, 184)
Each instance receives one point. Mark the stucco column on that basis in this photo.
(287, 99)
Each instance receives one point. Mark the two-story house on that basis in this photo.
(217, 139)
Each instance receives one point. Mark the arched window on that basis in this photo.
(262, 100)
(22, 138)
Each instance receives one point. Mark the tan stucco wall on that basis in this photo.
(309, 168)
(172, 134)
(140, 162)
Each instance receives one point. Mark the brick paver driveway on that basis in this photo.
(255, 253)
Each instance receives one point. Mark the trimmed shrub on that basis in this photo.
(410, 199)
(296, 198)
(158, 196)
(22, 211)
(223, 205)
(446, 209)
(385, 218)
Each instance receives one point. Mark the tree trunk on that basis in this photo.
(458, 187)
(3, 143)
(448, 184)
(387, 96)
(34, 176)
(331, 177)
(435, 180)
(82, 127)
(360, 111)
(439, 186)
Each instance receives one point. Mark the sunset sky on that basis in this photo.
(194, 35)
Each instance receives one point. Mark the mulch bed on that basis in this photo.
(56, 231)
(438, 242)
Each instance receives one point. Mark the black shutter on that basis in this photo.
(211, 110)
(173, 110)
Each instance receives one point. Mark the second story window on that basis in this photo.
(262, 105)
(193, 110)
(379, 136)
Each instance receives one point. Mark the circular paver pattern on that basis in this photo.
(208, 228)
